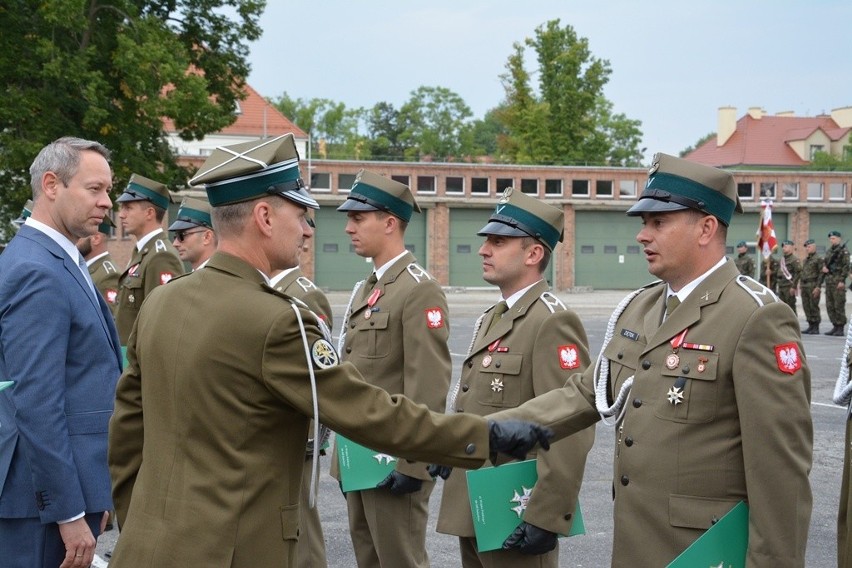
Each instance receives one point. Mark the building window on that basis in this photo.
(320, 180)
(603, 188)
(816, 148)
(503, 184)
(580, 188)
(745, 190)
(425, 184)
(627, 188)
(238, 110)
(529, 186)
(610, 249)
(587, 249)
(814, 191)
(552, 187)
(329, 247)
(345, 182)
(479, 186)
(767, 190)
(404, 180)
(463, 249)
(837, 191)
(790, 191)
(632, 249)
(455, 184)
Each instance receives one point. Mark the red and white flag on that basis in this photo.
(766, 239)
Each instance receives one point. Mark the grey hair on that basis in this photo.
(62, 157)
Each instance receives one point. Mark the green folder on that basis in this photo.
(724, 544)
(360, 467)
(498, 498)
(6, 384)
(124, 356)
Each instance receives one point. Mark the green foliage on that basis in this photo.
(824, 162)
(111, 71)
(567, 121)
(701, 141)
(435, 123)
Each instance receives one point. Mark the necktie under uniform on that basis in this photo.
(672, 302)
(497, 313)
(368, 286)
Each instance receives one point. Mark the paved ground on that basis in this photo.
(593, 548)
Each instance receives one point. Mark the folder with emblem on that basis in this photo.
(498, 498)
(6, 384)
(723, 544)
(360, 467)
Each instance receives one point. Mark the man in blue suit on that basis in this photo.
(59, 344)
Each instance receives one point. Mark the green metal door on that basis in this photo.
(336, 266)
(465, 263)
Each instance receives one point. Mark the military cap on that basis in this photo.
(372, 192)
(106, 225)
(193, 212)
(787, 242)
(834, 234)
(25, 212)
(248, 170)
(810, 242)
(675, 184)
(741, 244)
(520, 215)
(140, 188)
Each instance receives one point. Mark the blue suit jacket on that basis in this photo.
(59, 343)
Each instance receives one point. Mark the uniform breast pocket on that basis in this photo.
(690, 389)
(134, 292)
(623, 355)
(501, 381)
(373, 335)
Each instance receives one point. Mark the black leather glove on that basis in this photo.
(516, 437)
(529, 539)
(442, 471)
(399, 483)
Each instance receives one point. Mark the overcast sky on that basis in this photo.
(674, 62)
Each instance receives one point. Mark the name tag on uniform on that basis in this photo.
(631, 335)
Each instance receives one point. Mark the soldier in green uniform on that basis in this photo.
(310, 551)
(843, 396)
(744, 261)
(789, 272)
(195, 239)
(395, 332)
(530, 348)
(207, 442)
(769, 272)
(102, 269)
(811, 275)
(709, 398)
(834, 272)
(155, 261)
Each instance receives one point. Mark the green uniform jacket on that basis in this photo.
(207, 442)
(297, 285)
(105, 277)
(743, 430)
(794, 267)
(156, 264)
(774, 273)
(811, 270)
(402, 348)
(745, 264)
(541, 343)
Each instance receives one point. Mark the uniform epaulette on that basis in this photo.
(552, 302)
(418, 272)
(287, 297)
(160, 245)
(179, 276)
(758, 292)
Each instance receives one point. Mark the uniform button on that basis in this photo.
(686, 369)
(469, 364)
(625, 480)
(349, 350)
(497, 364)
(470, 448)
(620, 355)
(646, 364)
(628, 441)
(372, 323)
(352, 325)
(568, 517)
(459, 409)
(637, 402)
(465, 388)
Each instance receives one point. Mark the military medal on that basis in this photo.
(486, 361)
(374, 297)
(497, 385)
(673, 359)
(702, 364)
(675, 394)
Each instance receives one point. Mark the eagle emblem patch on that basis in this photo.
(434, 318)
(166, 277)
(323, 354)
(788, 358)
(568, 356)
(111, 295)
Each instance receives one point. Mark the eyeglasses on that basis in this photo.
(179, 237)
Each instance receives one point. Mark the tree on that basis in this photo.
(567, 121)
(385, 132)
(112, 71)
(487, 132)
(435, 122)
(825, 162)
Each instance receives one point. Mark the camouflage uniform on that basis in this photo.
(787, 288)
(837, 262)
(745, 264)
(810, 281)
(774, 273)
